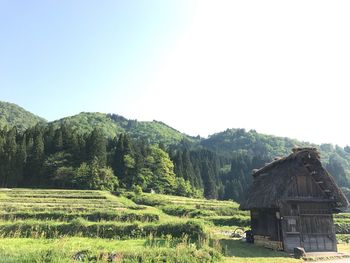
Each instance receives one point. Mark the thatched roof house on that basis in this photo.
(291, 202)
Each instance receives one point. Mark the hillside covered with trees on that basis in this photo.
(250, 150)
(110, 152)
(13, 115)
(112, 124)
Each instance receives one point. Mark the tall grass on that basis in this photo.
(134, 251)
(79, 227)
(94, 216)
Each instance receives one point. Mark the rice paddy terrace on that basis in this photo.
(38, 225)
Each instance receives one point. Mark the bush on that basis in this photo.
(183, 188)
(92, 176)
(137, 189)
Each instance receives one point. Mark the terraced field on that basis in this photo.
(96, 226)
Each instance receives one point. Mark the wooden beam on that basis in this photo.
(305, 199)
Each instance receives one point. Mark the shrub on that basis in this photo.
(137, 189)
(91, 176)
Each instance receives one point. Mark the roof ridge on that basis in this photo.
(297, 151)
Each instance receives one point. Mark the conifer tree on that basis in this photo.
(96, 147)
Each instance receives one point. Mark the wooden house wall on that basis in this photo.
(307, 217)
(264, 223)
(305, 186)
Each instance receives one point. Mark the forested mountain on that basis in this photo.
(250, 150)
(13, 115)
(107, 151)
(112, 124)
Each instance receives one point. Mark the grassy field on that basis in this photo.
(96, 226)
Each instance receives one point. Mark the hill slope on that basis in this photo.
(112, 125)
(250, 144)
(235, 152)
(13, 115)
(233, 141)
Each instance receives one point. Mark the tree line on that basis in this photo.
(47, 156)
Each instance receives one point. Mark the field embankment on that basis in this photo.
(96, 226)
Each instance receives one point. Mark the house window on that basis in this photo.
(292, 225)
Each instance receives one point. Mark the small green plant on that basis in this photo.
(137, 189)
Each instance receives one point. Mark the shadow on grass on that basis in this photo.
(238, 248)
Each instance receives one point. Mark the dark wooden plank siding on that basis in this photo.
(304, 185)
(309, 225)
(264, 223)
(290, 242)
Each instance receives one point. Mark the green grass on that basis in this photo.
(238, 251)
(111, 230)
(98, 250)
(65, 222)
(40, 225)
(342, 223)
(95, 216)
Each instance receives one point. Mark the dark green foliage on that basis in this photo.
(96, 147)
(250, 150)
(239, 140)
(183, 187)
(201, 168)
(76, 152)
(44, 157)
(94, 176)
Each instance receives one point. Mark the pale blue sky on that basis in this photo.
(280, 67)
(58, 58)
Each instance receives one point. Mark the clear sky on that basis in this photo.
(279, 67)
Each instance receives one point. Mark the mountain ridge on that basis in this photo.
(245, 150)
(119, 119)
(13, 115)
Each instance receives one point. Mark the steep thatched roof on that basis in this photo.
(272, 181)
